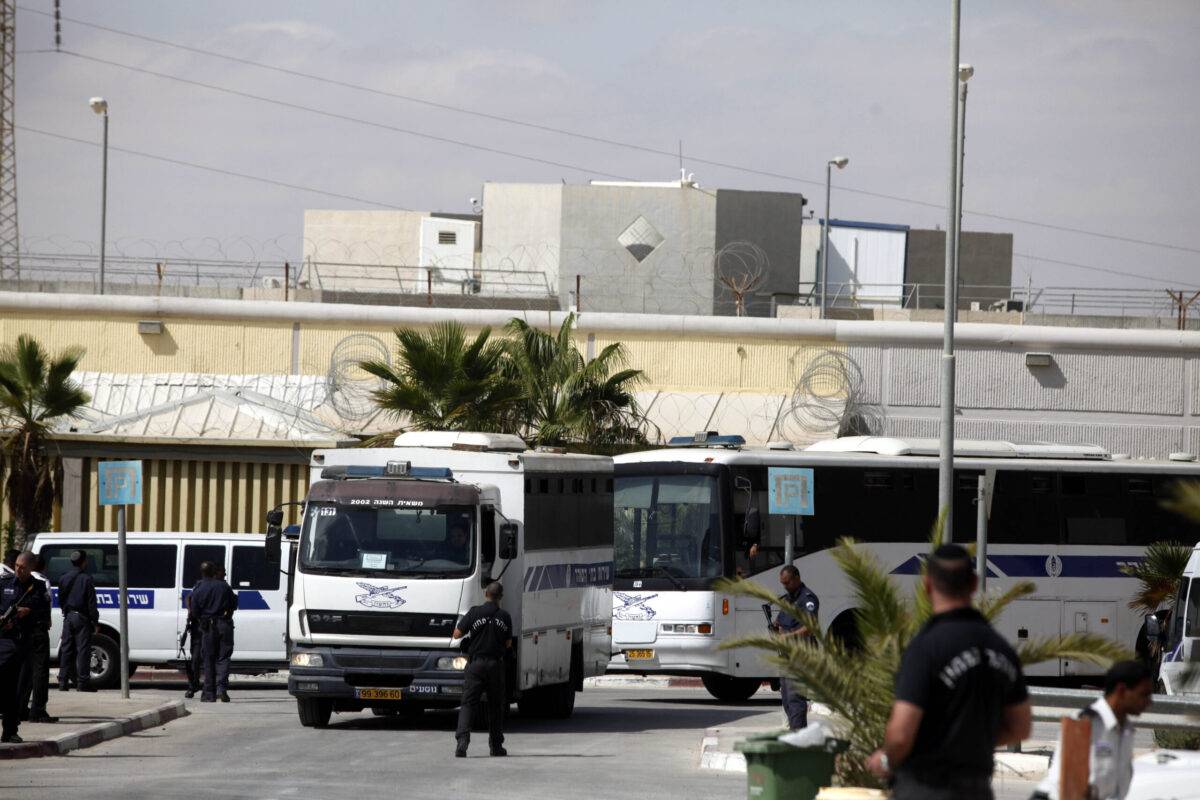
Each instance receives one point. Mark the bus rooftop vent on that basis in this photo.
(463, 440)
(706, 439)
(967, 448)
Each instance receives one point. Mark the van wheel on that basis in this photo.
(314, 712)
(730, 690)
(106, 662)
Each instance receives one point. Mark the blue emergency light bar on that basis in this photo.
(394, 469)
(706, 439)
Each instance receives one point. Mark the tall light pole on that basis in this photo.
(965, 71)
(840, 162)
(946, 445)
(100, 106)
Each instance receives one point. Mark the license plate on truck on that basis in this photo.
(379, 694)
(639, 655)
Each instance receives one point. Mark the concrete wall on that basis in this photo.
(772, 221)
(522, 237)
(984, 259)
(674, 278)
(362, 250)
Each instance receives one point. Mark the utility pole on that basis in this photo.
(10, 240)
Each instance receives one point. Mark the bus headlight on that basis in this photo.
(307, 660)
(452, 662)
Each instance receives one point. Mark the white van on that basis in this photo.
(1180, 670)
(163, 567)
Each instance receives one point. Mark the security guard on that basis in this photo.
(489, 631)
(195, 659)
(23, 607)
(795, 705)
(77, 599)
(35, 676)
(213, 604)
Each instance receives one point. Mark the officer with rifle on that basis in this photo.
(23, 607)
(213, 604)
(191, 656)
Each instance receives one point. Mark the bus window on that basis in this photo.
(196, 554)
(251, 570)
(151, 566)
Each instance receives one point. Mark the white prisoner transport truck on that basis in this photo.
(398, 543)
(163, 567)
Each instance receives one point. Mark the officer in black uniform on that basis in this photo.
(795, 705)
(213, 604)
(489, 631)
(960, 694)
(195, 641)
(35, 676)
(23, 607)
(77, 599)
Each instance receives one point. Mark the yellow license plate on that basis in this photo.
(379, 694)
(639, 655)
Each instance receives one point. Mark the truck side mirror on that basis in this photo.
(752, 526)
(1153, 627)
(273, 545)
(507, 546)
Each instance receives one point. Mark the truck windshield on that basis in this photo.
(436, 541)
(667, 527)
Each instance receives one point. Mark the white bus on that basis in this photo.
(1064, 517)
(399, 542)
(163, 567)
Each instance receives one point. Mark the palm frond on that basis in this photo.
(992, 605)
(1158, 573)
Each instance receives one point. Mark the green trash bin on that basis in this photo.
(778, 771)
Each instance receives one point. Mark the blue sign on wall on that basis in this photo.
(120, 483)
(790, 490)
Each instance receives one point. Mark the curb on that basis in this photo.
(711, 756)
(651, 682)
(94, 735)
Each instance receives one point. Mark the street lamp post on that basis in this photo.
(100, 106)
(946, 443)
(965, 71)
(840, 162)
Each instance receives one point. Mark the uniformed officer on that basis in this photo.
(195, 659)
(489, 631)
(960, 694)
(795, 705)
(35, 676)
(77, 600)
(213, 604)
(23, 607)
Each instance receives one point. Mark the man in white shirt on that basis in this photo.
(1128, 690)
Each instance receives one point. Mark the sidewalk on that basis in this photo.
(87, 719)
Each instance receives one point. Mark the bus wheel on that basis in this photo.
(730, 690)
(105, 662)
(314, 712)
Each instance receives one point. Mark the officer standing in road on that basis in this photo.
(960, 694)
(489, 631)
(23, 607)
(77, 599)
(35, 676)
(213, 604)
(795, 705)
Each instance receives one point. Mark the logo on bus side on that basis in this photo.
(379, 596)
(1053, 566)
(633, 607)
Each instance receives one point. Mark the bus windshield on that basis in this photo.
(667, 527)
(429, 542)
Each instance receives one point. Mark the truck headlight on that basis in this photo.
(307, 660)
(452, 662)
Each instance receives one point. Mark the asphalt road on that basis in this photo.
(621, 743)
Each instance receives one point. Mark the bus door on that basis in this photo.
(261, 618)
(193, 556)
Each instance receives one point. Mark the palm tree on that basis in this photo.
(1158, 574)
(36, 390)
(444, 383)
(568, 399)
(858, 684)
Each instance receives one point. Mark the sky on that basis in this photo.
(1082, 114)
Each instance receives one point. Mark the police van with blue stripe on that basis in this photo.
(162, 569)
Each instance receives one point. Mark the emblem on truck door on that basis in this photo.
(633, 607)
(379, 596)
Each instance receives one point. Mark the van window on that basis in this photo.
(1193, 609)
(196, 554)
(151, 566)
(251, 570)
